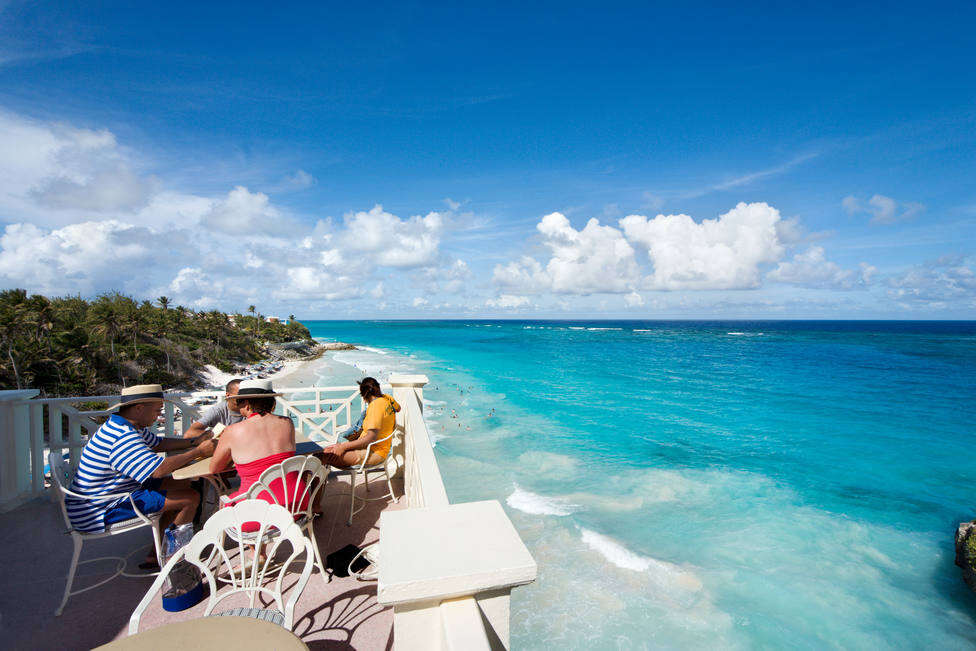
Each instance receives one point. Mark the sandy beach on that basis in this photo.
(299, 373)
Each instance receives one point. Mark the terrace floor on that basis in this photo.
(342, 614)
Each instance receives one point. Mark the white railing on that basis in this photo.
(458, 598)
(32, 428)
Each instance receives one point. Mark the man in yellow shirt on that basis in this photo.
(378, 425)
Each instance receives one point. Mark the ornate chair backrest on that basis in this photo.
(311, 476)
(251, 577)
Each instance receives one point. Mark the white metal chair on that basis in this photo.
(250, 577)
(372, 571)
(60, 478)
(364, 470)
(311, 480)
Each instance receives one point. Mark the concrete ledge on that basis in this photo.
(440, 552)
(398, 380)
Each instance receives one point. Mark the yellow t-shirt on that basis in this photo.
(381, 415)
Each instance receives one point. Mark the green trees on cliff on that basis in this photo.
(70, 346)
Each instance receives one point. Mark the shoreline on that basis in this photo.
(294, 372)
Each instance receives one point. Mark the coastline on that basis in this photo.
(294, 372)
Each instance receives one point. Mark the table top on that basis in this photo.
(237, 633)
(201, 467)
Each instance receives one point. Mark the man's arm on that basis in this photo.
(175, 461)
(172, 445)
(367, 437)
(209, 418)
(194, 430)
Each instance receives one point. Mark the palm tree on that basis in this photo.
(291, 317)
(251, 309)
(13, 323)
(163, 302)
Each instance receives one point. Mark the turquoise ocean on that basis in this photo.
(688, 484)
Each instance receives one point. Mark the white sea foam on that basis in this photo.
(745, 334)
(640, 330)
(434, 403)
(604, 328)
(614, 552)
(378, 351)
(435, 437)
(532, 503)
(666, 575)
(577, 328)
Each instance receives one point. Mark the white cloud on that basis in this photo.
(394, 242)
(723, 253)
(242, 212)
(883, 210)
(949, 282)
(634, 299)
(450, 278)
(812, 269)
(82, 257)
(508, 301)
(300, 180)
(596, 259)
(52, 173)
(419, 301)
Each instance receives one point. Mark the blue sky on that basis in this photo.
(233, 153)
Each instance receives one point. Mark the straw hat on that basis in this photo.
(139, 393)
(255, 389)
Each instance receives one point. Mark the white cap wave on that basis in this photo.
(535, 504)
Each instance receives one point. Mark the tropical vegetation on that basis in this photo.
(72, 346)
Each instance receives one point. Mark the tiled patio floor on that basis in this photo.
(34, 557)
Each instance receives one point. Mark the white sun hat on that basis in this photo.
(255, 389)
(139, 393)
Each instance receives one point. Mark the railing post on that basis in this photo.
(15, 438)
(408, 389)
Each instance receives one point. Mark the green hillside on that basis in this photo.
(71, 346)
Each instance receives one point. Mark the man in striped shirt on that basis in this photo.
(121, 457)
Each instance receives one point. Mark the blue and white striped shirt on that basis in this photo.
(116, 459)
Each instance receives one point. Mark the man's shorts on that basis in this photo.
(149, 499)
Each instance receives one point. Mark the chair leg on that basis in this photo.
(389, 482)
(71, 574)
(318, 555)
(352, 496)
(157, 542)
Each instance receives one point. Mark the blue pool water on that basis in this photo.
(733, 484)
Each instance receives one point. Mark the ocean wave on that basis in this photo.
(614, 552)
(434, 403)
(577, 328)
(534, 504)
(745, 334)
(666, 575)
(604, 328)
(640, 330)
(378, 351)
(435, 437)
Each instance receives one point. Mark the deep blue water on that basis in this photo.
(721, 483)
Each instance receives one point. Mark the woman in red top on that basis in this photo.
(258, 442)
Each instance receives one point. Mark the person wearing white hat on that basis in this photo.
(121, 457)
(258, 442)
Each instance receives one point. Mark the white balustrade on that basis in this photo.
(452, 594)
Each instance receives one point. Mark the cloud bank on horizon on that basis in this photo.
(85, 214)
